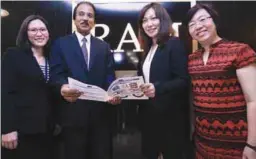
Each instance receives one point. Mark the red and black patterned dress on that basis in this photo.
(220, 107)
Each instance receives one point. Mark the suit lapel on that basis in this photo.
(93, 51)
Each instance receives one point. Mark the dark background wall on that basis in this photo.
(238, 22)
(238, 19)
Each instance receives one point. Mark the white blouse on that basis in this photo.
(147, 63)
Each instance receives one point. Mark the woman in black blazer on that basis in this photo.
(26, 99)
(164, 117)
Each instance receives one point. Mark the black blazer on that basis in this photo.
(26, 98)
(67, 60)
(166, 115)
(169, 74)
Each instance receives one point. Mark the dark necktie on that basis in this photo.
(84, 50)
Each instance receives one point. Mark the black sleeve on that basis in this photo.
(9, 90)
(178, 69)
(139, 68)
(58, 67)
(110, 71)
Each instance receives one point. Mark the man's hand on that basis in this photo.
(69, 94)
(114, 100)
(10, 140)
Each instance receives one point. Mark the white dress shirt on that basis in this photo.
(88, 43)
(147, 63)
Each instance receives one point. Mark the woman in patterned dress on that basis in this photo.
(223, 75)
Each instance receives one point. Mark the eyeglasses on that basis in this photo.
(34, 31)
(152, 19)
(201, 20)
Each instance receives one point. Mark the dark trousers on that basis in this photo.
(94, 142)
(36, 146)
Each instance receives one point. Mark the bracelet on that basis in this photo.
(250, 146)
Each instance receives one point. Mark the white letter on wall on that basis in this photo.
(134, 39)
(105, 31)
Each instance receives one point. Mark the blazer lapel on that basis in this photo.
(154, 62)
(35, 69)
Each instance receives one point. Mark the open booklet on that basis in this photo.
(125, 88)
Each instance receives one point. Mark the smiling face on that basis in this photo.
(84, 19)
(38, 34)
(202, 28)
(150, 23)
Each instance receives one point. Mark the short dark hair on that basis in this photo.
(83, 2)
(209, 8)
(165, 26)
(22, 40)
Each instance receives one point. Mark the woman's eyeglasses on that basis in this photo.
(201, 20)
(34, 31)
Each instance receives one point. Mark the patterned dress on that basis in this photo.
(220, 107)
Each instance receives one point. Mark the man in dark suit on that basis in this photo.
(86, 124)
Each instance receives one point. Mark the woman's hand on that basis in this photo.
(148, 89)
(114, 100)
(10, 140)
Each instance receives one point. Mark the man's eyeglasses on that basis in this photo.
(34, 31)
(201, 20)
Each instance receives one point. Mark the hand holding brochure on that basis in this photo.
(125, 88)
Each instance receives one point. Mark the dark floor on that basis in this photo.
(127, 146)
